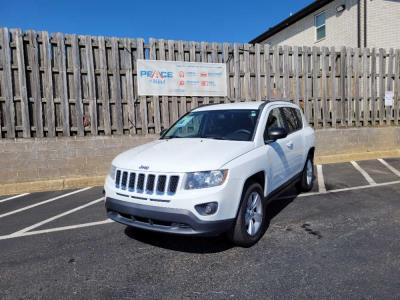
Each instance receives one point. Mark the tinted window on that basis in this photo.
(275, 120)
(234, 124)
(293, 118)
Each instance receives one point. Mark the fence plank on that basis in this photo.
(226, 60)
(334, 86)
(258, 71)
(174, 104)
(373, 87)
(246, 81)
(204, 58)
(356, 91)
(142, 99)
(116, 87)
(104, 86)
(76, 62)
(182, 99)
(307, 86)
(236, 78)
(26, 127)
(349, 72)
(324, 86)
(296, 74)
(267, 64)
(343, 86)
(382, 53)
(365, 87)
(156, 101)
(91, 85)
(277, 93)
(397, 88)
(35, 86)
(286, 73)
(192, 56)
(62, 84)
(164, 99)
(389, 84)
(48, 83)
(7, 86)
(315, 66)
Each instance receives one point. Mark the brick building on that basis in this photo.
(353, 23)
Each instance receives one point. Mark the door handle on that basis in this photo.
(290, 145)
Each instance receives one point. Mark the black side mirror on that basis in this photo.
(163, 131)
(276, 134)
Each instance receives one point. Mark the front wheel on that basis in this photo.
(307, 176)
(250, 222)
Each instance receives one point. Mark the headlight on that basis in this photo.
(113, 170)
(205, 179)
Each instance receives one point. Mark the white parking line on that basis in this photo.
(385, 163)
(13, 197)
(363, 173)
(43, 202)
(11, 236)
(321, 182)
(22, 231)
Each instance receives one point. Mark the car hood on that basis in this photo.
(182, 155)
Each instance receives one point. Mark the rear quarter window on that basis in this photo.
(293, 118)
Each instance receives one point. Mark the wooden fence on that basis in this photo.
(63, 85)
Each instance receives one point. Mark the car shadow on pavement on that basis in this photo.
(193, 244)
(190, 244)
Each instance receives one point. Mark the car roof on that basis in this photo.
(241, 105)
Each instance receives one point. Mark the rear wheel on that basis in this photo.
(250, 222)
(307, 176)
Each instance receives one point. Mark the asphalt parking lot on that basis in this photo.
(341, 240)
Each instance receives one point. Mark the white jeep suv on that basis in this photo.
(213, 171)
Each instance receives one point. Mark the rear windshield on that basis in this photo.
(234, 124)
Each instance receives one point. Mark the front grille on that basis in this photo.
(149, 183)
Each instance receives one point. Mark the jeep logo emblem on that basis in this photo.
(141, 167)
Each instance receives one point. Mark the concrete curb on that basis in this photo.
(80, 182)
(50, 185)
(329, 159)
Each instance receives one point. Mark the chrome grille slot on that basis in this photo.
(131, 184)
(162, 180)
(117, 178)
(124, 180)
(140, 183)
(150, 183)
(173, 184)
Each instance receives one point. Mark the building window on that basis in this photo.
(320, 29)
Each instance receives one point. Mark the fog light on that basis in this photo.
(207, 208)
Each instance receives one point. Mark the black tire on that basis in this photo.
(305, 185)
(238, 234)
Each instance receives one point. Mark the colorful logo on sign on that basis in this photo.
(156, 77)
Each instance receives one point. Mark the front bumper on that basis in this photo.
(163, 219)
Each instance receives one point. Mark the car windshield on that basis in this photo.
(233, 124)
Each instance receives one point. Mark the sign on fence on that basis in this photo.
(177, 78)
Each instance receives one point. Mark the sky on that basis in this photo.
(205, 20)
